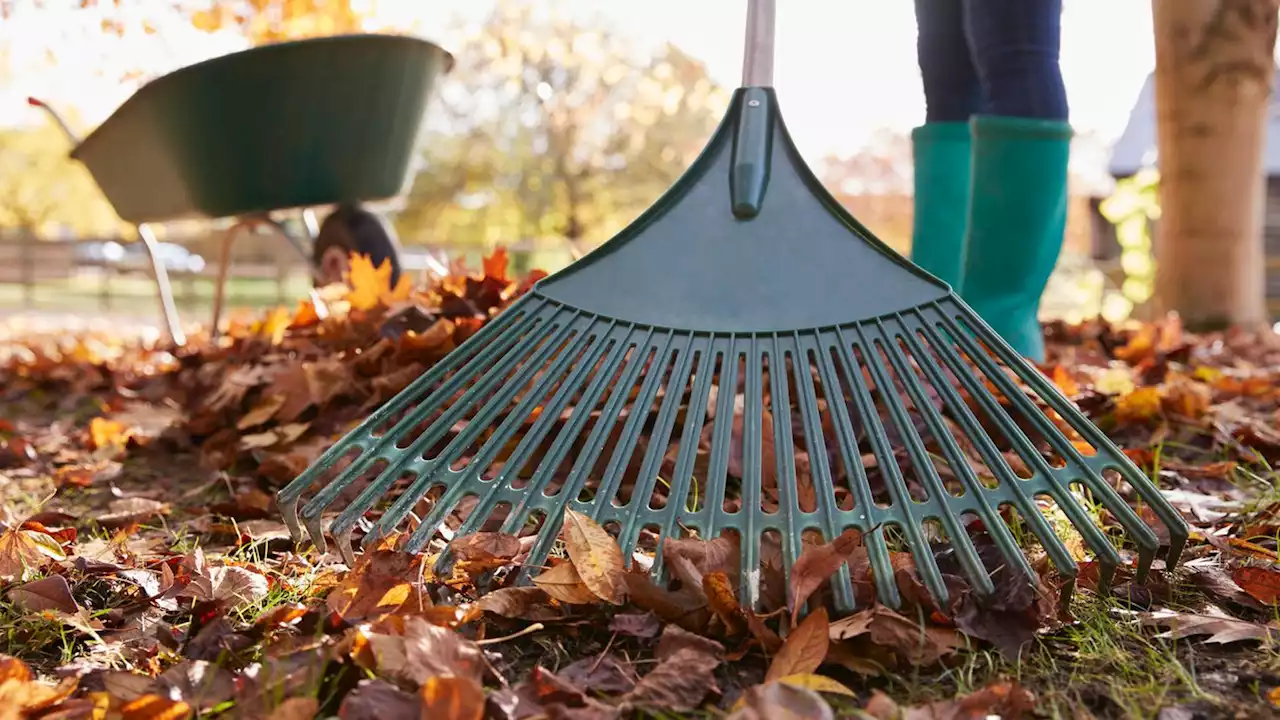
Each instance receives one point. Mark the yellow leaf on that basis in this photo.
(368, 284)
(817, 683)
(105, 433)
(1139, 405)
(596, 556)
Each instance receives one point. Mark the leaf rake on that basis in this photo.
(668, 380)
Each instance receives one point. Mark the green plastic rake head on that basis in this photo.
(667, 380)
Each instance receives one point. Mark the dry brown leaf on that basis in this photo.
(485, 549)
(127, 511)
(50, 593)
(426, 650)
(781, 701)
(912, 643)
(804, 649)
(563, 583)
(679, 682)
(380, 583)
(817, 563)
(21, 696)
(596, 556)
(1262, 583)
(227, 585)
(296, 708)
(24, 552)
(1217, 625)
(378, 700)
(449, 697)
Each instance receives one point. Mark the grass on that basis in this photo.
(136, 294)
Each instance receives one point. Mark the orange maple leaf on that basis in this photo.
(495, 265)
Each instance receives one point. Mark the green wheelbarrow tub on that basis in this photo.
(295, 124)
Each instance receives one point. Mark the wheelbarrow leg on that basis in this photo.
(224, 266)
(167, 307)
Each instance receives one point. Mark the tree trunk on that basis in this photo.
(1214, 68)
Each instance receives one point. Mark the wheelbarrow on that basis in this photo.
(290, 126)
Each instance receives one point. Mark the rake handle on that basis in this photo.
(757, 57)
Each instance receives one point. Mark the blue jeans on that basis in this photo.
(991, 57)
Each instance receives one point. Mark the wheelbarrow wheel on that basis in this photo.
(348, 230)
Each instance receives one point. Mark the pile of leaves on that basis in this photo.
(145, 574)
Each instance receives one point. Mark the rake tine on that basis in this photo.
(721, 433)
(312, 511)
(1010, 484)
(1144, 486)
(784, 454)
(695, 416)
(361, 438)
(632, 429)
(578, 474)
(579, 413)
(1107, 556)
(428, 469)
(819, 468)
(946, 511)
(864, 504)
(990, 455)
(905, 506)
(470, 476)
(578, 367)
(1144, 536)
(749, 514)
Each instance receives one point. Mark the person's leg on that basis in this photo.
(1017, 212)
(940, 147)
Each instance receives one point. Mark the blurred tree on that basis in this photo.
(875, 184)
(260, 21)
(268, 21)
(41, 189)
(40, 186)
(552, 127)
(1214, 70)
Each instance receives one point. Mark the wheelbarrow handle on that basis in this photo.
(66, 129)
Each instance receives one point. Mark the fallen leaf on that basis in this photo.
(914, 644)
(1217, 625)
(817, 563)
(227, 585)
(22, 695)
(781, 701)
(1262, 583)
(563, 583)
(817, 683)
(426, 650)
(50, 593)
(485, 548)
(127, 511)
(155, 707)
(449, 697)
(596, 556)
(679, 682)
(640, 625)
(296, 708)
(24, 552)
(378, 700)
(804, 649)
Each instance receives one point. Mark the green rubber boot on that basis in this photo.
(1017, 217)
(940, 154)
